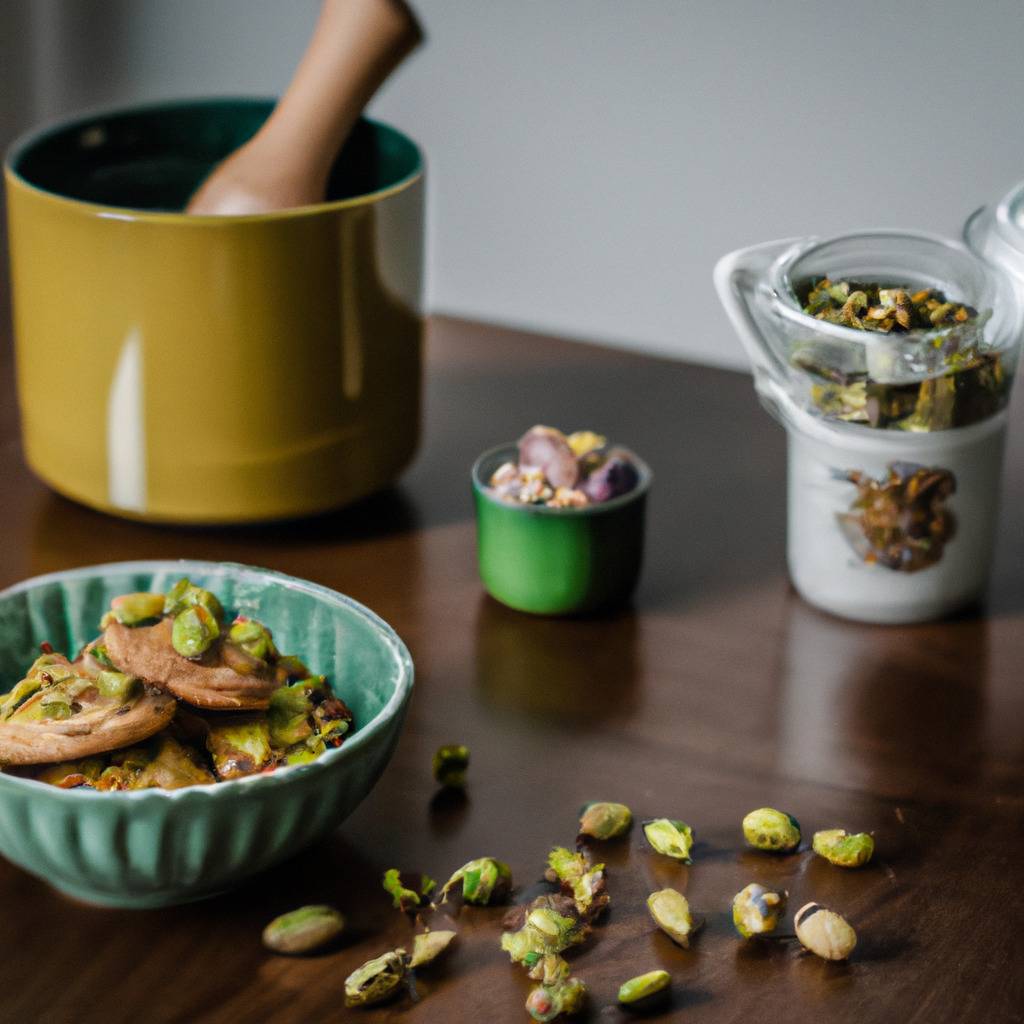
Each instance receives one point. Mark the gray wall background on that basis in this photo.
(590, 159)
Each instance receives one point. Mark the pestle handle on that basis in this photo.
(355, 46)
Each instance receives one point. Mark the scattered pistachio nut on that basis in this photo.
(195, 629)
(769, 829)
(544, 931)
(756, 909)
(671, 912)
(841, 848)
(303, 930)
(585, 881)
(377, 980)
(670, 838)
(643, 987)
(484, 880)
(428, 946)
(605, 820)
(561, 999)
(824, 932)
(450, 764)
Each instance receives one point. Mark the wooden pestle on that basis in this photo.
(355, 46)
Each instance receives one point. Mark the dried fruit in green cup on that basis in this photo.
(643, 987)
(756, 909)
(824, 932)
(428, 946)
(195, 631)
(450, 764)
(377, 980)
(605, 820)
(303, 930)
(671, 912)
(484, 880)
(772, 830)
(670, 838)
(841, 848)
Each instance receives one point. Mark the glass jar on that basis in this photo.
(895, 439)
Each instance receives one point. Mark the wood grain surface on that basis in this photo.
(717, 691)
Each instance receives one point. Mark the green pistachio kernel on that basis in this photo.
(643, 986)
(117, 685)
(756, 910)
(289, 715)
(769, 829)
(194, 631)
(55, 703)
(377, 980)
(303, 930)
(484, 880)
(841, 848)
(603, 820)
(135, 609)
(428, 946)
(101, 655)
(184, 594)
(671, 913)
(670, 838)
(252, 637)
(450, 764)
(544, 932)
(824, 932)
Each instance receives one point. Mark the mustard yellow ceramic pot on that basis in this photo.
(212, 369)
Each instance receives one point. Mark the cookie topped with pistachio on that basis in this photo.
(65, 710)
(169, 695)
(564, 470)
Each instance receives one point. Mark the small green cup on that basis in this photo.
(558, 561)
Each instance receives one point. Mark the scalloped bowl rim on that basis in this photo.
(281, 776)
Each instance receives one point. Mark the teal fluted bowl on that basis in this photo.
(153, 847)
(558, 561)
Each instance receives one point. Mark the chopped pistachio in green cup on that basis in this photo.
(558, 561)
(154, 847)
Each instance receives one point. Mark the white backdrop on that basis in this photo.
(589, 159)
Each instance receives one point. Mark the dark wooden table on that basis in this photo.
(716, 692)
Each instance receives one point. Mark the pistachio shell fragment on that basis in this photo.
(544, 931)
(428, 946)
(604, 820)
(772, 830)
(643, 986)
(377, 980)
(756, 909)
(484, 880)
(577, 876)
(838, 847)
(303, 930)
(450, 764)
(671, 912)
(402, 897)
(824, 932)
(670, 838)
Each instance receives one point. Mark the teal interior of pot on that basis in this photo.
(154, 158)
